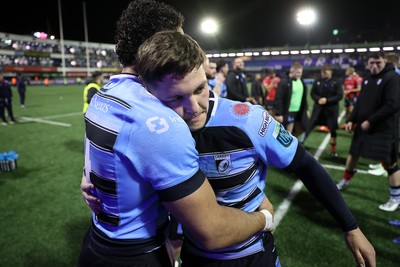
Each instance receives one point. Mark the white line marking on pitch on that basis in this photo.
(341, 168)
(46, 121)
(285, 205)
(62, 115)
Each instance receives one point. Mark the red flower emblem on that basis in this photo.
(241, 109)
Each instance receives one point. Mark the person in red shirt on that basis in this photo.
(351, 89)
(270, 83)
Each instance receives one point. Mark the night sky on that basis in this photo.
(244, 24)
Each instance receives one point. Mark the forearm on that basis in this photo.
(213, 226)
(322, 187)
(226, 233)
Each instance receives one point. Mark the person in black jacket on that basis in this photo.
(291, 101)
(22, 82)
(326, 93)
(236, 83)
(375, 121)
(5, 100)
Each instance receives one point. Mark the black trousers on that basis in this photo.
(89, 257)
(5, 103)
(21, 96)
(266, 258)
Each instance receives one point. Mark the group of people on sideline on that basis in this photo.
(371, 110)
(371, 105)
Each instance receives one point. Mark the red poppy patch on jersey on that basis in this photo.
(241, 109)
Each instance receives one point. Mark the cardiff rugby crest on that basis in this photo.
(223, 162)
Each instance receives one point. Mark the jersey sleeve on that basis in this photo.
(274, 145)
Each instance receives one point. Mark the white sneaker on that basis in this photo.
(342, 184)
(375, 166)
(4, 123)
(391, 205)
(378, 171)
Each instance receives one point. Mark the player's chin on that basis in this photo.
(197, 122)
(194, 126)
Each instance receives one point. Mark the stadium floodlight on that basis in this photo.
(306, 16)
(209, 26)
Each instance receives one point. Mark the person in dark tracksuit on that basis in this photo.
(236, 82)
(326, 93)
(5, 101)
(22, 82)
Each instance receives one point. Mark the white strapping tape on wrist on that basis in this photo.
(268, 220)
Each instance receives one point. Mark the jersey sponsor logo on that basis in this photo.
(99, 105)
(223, 162)
(264, 125)
(240, 111)
(176, 119)
(157, 125)
(282, 135)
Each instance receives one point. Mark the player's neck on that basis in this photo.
(129, 69)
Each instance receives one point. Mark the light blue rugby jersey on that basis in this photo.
(236, 147)
(136, 151)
